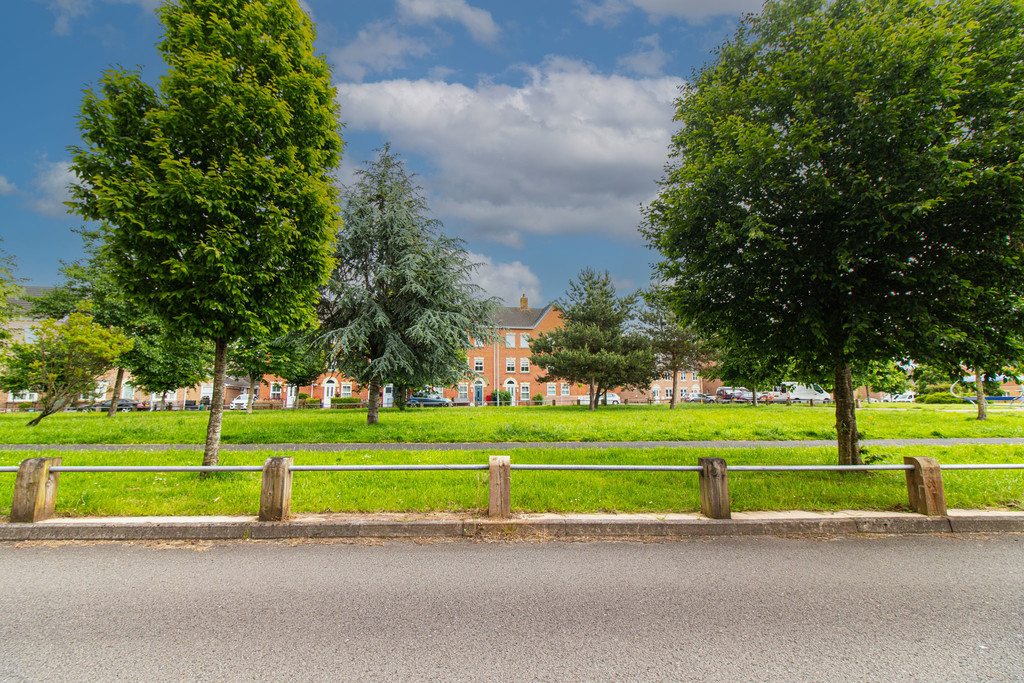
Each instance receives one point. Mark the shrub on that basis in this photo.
(939, 398)
(538, 399)
(302, 397)
(504, 398)
(339, 400)
(25, 406)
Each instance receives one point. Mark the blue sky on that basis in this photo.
(536, 128)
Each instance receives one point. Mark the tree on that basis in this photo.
(215, 191)
(750, 366)
(399, 306)
(829, 187)
(64, 361)
(676, 346)
(9, 289)
(596, 345)
(883, 376)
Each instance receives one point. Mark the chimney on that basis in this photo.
(522, 303)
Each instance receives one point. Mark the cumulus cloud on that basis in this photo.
(477, 21)
(570, 151)
(378, 47)
(67, 11)
(648, 59)
(610, 12)
(6, 186)
(506, 281)
(50, 188)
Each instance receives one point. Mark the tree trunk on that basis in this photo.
(248, 402)
(675, 389)
(592, 394)
(979, 391)
(112, 410)
(753, 395)
(373, 403)
(846, 417)
(212, 452)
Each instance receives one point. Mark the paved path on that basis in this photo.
(895, 608)
(478, 446)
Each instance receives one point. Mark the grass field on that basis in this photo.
(573, 423)
(111, 494)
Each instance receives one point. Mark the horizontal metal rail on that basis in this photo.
(553, 467)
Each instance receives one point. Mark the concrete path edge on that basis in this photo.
(542, 526)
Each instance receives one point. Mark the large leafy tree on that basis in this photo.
(399, 307)
(677, 347)
(63, 361)
(598, 344)
(846, 185)
(9, 289)
(215, 190)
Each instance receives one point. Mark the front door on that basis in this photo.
(478, 395)
(329, 389)
(389, 396)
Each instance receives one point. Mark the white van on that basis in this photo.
(613, 400)
(800, 393)
(239, 403)
(908, 397)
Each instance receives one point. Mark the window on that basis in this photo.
(524, 341)
(510, 365)
(478, 344)
(127, 391)
(478, 364)
(206, 392)
(565, 389)
(694, 375)
(24, 396)
(524, 365)
(463, 392)
(524, 392)
(510, 340)
(346, 391)
(551, 388)
(654, 393)
(275, 390)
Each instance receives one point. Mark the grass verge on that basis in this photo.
(139, 494)
(572, 423)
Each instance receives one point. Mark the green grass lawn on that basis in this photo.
(109, 494)
(573, 423)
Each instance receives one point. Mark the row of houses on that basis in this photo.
(503, 365)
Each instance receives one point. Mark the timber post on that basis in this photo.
(35, 490)
(276, 490)
(924, 486)
(499, 482)
(714, 488)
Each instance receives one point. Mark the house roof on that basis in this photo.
(519, 318)
(21, 303)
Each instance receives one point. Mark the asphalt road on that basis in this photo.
(910, 608)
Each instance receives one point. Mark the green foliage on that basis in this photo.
(9, 289)
(302, 397)
(346, 400)
(886, 376)
(831, 184)
(399, 307)
(25, 406)
(503, 397)
(939, 398)
(64, 361)
(538, 399)
(595, 346)
(676, 346)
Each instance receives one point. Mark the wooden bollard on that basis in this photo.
(35, 490)
(714, 488)
(499, 499)
(924, 486)
(276, 490)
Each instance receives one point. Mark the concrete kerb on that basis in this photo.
(555, 526)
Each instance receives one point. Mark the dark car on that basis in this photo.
(428, 402)
(124, 405)
(733, 395)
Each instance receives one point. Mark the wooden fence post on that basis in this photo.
(714, 488)
(35, 490)
(276, 490)
(924, 486)
(499, 480)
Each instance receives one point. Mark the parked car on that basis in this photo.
(794, 392)
(908, 397)
(695, 397)
(124, 405)
(428, 402)
(612, 400)
(239, 402)
(734, 395)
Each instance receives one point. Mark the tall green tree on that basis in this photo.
(63, 361)
(677, 347)
(400, 306)
(215, 190)
(598, 344)
(9, 289)
(846, 184)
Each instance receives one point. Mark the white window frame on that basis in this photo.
(510, 365)
(565, 389)
(524, 392)
(524, 365)
(463, 391)
(524, 341)
(23, 396)
(552, 389)
(206, 391)
(275, 391)
(345, 390)
(478, 364)
(128, 391)
(510, 340)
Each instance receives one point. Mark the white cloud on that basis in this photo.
(570, 151)
(610, 12)
(378, 47)
(478, 22)
(50, 188)
(648, 59)
(69, 10)
(507, 281)
(6, 186)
